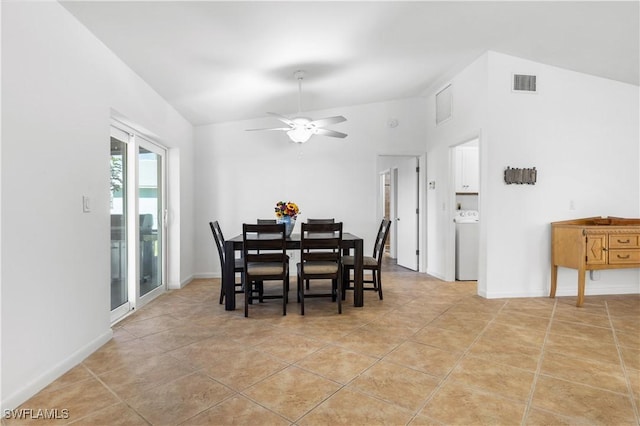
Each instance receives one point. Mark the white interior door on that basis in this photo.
(407, 213)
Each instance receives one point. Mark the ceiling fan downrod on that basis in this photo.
(299, 75)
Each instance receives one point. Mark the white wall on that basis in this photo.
(60, 87)
(580, 132)
(469, 112)
(241, 175)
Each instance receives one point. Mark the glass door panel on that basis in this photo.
(119, 247)
(151, 218)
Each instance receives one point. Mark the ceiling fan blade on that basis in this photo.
(282, 118)
(273, 128)
(321, 122)
(332, 133)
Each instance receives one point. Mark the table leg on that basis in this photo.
(229, 277)
(581, 282)
(358, 296)
(554, 280)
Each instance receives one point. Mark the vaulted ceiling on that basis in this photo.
(227, 60)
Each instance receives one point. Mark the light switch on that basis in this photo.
(86, 206)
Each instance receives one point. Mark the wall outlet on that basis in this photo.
(86, 206)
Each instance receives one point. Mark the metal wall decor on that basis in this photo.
(520, 176)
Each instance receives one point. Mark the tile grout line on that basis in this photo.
(623, 365)
(536, 374)
(120, 399)
(455, 365)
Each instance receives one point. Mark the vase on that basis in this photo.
(289, 223)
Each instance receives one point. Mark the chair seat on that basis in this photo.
(366, 261)
(262, 268)
(319, 267)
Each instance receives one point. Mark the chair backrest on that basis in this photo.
(266, 221)
(264, 243)
(381, 238)
(219, 238)
(320, 242)
(332, 220)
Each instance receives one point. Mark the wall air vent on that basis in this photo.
(524, 83)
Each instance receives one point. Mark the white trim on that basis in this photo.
(435, 275)
(46, 378)
(567, 292)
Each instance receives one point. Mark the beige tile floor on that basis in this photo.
(431, 353)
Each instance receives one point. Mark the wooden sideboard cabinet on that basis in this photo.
(593, 243)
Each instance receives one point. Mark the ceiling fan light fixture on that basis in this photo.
(299, 134)
(301, 129)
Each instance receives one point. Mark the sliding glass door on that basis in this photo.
(119, 248)
(151, 217)
(138, 226)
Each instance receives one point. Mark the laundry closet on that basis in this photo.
(466, 214)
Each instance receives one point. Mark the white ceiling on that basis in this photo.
(225, 61)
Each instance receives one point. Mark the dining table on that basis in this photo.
(349, 242)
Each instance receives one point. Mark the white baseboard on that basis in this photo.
(177, 286)
(566, 291)
(36, 385)
(436, 275)
(205, 275)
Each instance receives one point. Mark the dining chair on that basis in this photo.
(331, 220)
(369, 263)
(328, 220)
(239, 263)
(320, 258)
(265, 259)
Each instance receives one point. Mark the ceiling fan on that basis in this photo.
(302, 128)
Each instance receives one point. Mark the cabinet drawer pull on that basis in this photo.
(627, 241)
(624, 257)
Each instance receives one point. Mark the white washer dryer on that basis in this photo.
(467, 241)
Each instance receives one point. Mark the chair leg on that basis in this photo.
(285, 286)
(340, 291)
(301, 295)
(221, 291)
(334, 289)
(247, 296)
(379, 276)
(345, 282)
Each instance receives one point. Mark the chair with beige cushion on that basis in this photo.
(369, 263)
(320, 259)
(265, 259)
(328, 220)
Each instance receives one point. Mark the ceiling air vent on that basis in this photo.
(524, 83)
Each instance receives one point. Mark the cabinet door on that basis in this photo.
(597, 249)
(467, 169)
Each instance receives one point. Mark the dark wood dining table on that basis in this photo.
(349, 242)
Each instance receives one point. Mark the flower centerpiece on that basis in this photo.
(287, 212)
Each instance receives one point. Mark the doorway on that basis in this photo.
(138, 225)
(466, 213)
(399, 201)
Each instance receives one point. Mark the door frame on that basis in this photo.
(450, 237)
(422, 200)
(134, 141)
(157, 149)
